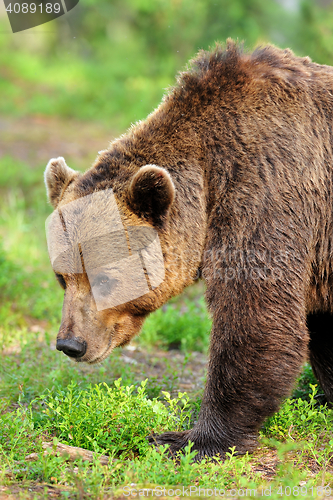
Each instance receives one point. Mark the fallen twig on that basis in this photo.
(70, 452)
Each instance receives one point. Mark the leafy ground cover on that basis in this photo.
(154, 385)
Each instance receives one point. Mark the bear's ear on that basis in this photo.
(151, 192)
(57, 177)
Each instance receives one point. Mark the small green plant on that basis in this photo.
(303, 385)
(300, 419)
(113, 420)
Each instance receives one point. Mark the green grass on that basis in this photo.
(116, 420)
(182, 325)
(113, 420)
(46, 397)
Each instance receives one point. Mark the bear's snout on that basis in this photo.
(74, 347)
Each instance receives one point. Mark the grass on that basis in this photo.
(182, 325)
(46, 397)
(116, 420)
(106, 419)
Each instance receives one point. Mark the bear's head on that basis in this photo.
(108, 253)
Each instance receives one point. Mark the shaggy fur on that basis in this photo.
(246, 141)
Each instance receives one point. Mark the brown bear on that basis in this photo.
(233, 171)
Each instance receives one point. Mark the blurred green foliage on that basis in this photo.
(111, 61)
(178, 326)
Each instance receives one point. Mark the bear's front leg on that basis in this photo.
(258, 344)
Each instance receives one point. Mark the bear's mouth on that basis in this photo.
(97, 359)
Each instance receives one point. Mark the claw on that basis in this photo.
(152, 439)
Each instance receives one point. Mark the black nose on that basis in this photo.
(72, 347)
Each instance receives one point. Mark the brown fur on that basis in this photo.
(247, 142)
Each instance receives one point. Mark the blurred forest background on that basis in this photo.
(69, 87)
(110, 60)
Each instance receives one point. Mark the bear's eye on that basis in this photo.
(61, 280)
(104, 285)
